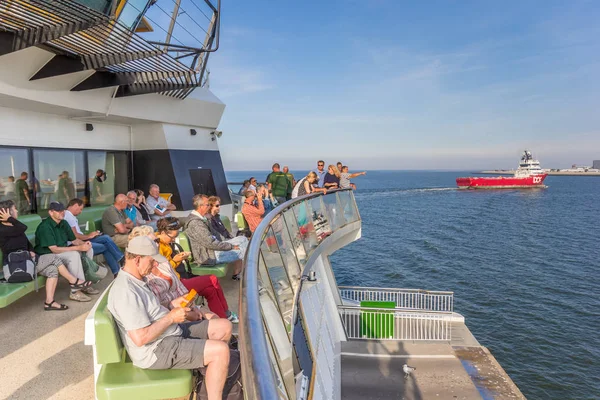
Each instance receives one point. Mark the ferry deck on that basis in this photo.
(83, 89)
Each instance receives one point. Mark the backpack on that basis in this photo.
(20, 267)
(233, 389)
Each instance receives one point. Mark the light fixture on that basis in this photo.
(89, 127)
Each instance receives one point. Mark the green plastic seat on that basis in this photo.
(241, 221)
(11, 292)
(119, 379)
(219, 270)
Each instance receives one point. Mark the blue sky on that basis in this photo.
(408, 85)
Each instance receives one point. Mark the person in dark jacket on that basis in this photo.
(206, 248)
(214, 207)
(13, 238)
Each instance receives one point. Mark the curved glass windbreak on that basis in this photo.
(277, 256)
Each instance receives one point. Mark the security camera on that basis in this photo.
(215, 134)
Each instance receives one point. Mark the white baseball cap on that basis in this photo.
(144, 246)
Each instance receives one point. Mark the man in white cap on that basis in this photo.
(156, 338)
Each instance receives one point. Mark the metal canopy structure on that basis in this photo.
(84, 39)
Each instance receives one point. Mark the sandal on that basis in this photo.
(48, 307)
(83, 285)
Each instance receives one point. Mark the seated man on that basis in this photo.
(206, 248)
(101, 244)
(156, 338)
(115, 223)
(133, 213)
(251, 212)
(157, 206)
(54, 236)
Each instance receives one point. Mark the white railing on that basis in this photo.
(410, 299)
(392, 324)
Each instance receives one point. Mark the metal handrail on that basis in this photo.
(417, 299)
(253, 341)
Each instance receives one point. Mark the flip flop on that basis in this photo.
(83, 285)
(48, 307)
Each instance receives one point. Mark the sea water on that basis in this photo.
(523, 266)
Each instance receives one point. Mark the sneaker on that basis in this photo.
(90, 290)
(79, 296)
(233, 317)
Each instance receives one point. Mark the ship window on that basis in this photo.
(132, 12)
(61, 176)
(104, 182)
(12, 163)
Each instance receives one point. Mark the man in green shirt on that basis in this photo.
(279, 184)
(22, 195)
(292, 180)
(54, 235)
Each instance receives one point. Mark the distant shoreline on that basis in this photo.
(562, 173)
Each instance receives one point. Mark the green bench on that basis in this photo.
(11, 292)
(241, 221)
(219, 270)
(118, 378)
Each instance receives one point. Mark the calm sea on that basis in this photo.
(524, 266)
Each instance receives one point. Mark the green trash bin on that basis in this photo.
(377, 324)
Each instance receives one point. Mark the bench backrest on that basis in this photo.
(32, 221)
(109, 348)
(241, 221)
(226, 222)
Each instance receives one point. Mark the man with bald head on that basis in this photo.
(115, 223)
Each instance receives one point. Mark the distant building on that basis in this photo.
(596, 164)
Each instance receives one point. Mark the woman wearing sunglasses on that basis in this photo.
(213, 216)
(207, 286)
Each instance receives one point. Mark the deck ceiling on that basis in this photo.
(84, 39)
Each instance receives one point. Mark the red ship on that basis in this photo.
(528, 175)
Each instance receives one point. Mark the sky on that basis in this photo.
(384, 84)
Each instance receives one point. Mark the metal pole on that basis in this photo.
(172, 24)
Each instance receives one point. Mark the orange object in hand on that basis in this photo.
(190, 298)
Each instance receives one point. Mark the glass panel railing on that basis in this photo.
(291, 224)
(278, 277)
(334, 211)
(276, 260)
(348, 206)
(306, 227)
(287, 251)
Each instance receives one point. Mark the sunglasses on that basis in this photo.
(320, 165)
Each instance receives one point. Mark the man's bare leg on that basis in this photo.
(216, 359)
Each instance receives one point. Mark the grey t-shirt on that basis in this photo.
(344, 180)
(134, 306)
(110, 218)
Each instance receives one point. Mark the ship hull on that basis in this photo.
(502, 182)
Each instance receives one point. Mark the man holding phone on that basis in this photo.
(101, 244)
(158, 207)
